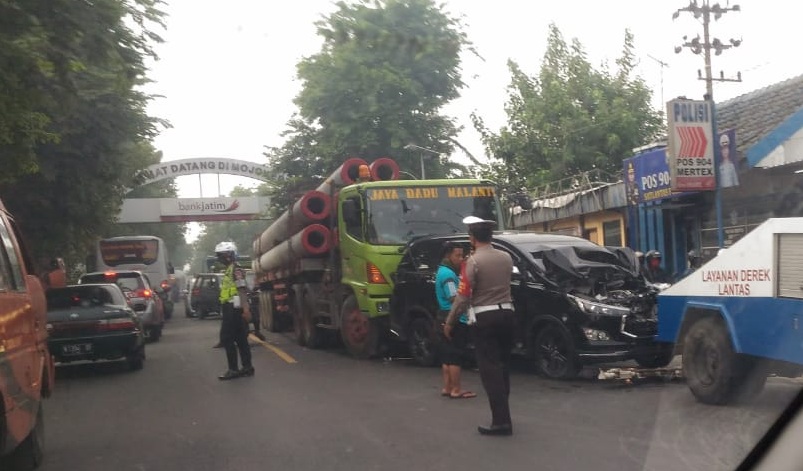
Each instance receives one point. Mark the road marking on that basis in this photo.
(278, 351)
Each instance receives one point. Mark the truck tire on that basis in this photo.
(554, 352)
(314, 337)
(422, 340)
(266, 313)
(30, 453)
(298, 323)
(359, 332)
(715, 373)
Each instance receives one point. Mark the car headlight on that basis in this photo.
(593, 334)
(599, 309)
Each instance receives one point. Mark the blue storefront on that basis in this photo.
(658, 218)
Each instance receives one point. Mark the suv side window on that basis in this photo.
(10, 270)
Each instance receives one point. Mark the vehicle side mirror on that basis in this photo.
(351, 212)
(516, 274)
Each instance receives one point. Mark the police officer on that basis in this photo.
(485, 291)
(235, 311)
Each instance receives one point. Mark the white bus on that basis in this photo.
(147, 254)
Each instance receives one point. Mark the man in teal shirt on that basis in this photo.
(452, 350)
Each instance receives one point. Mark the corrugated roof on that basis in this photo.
(756, 114)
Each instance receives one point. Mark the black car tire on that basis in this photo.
(136, 361)
(554, 353)
(31, 452)
(422, 341)
(715, 373)
(153, 333)
(360, 333)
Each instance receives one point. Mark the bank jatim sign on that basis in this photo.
(690, 149)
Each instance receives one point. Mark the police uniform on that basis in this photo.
(233, 328)
(487, 273)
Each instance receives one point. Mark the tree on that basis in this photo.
(73, 70)
(385, 70)
(571, 118)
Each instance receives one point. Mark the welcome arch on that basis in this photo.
(196, 209)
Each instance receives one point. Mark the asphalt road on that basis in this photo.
(326, 411)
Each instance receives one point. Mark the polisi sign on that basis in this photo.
(690, 148)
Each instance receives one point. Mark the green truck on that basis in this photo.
(327, 263)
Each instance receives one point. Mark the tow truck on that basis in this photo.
(736, 320)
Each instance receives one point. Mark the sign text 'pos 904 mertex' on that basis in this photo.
(690, 149)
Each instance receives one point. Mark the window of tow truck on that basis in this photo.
(397, 215)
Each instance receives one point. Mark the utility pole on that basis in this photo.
(705, 10)
(421, 156)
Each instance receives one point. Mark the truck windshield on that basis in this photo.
(397, 215)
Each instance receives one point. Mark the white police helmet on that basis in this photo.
(225, 247)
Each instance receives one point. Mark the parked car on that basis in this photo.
(94, 322)
(141, 297)
(26, 367)
(205, 295)
(576, 303)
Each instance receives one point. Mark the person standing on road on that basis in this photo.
(235, 312)
(485, 291)
(452, 350)
(56, 277)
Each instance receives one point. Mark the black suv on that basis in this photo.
(576, 302)
(205, 295)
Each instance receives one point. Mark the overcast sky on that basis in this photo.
(227, 69)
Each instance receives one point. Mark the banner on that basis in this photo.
(647, 177)
(690, 149)
(726, 159)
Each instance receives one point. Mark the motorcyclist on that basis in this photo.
(653, 271)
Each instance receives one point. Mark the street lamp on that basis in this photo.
(421, 156)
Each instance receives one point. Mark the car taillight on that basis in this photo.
(374, 275)
(116, 324)
(144, 293)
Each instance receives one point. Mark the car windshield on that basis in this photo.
(398, 215)
(259, 175)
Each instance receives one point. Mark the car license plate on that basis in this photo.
(77, 349)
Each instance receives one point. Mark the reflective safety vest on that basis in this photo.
(228, 289)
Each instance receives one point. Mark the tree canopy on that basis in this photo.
(73, 126)
(570, 118)
(384, 71)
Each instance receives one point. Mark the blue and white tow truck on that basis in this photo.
(737, 319)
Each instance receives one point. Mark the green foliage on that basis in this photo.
(73, 127)
(570, 118)
(383, 73)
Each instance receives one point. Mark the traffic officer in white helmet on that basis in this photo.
(236, 313)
